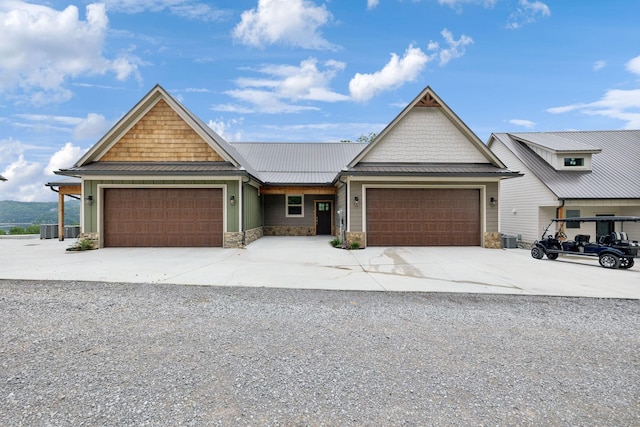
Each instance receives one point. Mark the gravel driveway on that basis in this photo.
(80, 353)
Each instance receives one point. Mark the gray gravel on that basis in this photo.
(78, 353)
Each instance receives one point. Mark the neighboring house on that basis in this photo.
(162, 177)
(568, 174)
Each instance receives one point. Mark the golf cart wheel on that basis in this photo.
(609, 261)
(537, 253)
(552, 256)
(626, 262)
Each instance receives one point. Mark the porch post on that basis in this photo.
(60, 216)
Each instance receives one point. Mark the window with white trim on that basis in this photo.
(295, 205)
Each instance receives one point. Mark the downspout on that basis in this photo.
(69, 195)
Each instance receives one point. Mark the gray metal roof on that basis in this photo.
(429, 169)
(2, 178)
(68, 182)
(556, 142)
(298, 163)
(152, 168)
(615, 170)
(298, 178)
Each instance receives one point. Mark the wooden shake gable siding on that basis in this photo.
(161, 135)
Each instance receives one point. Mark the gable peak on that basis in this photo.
(427, 101)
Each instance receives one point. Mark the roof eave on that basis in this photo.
(509, 174)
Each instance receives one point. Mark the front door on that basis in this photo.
(323, 218)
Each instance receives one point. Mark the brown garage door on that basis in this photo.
(423, 217)
(162, 217)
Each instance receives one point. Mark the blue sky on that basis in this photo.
(305, 70)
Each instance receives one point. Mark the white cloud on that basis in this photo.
(63, 158)
(41, 48)
(26, 179)
(285, 86)
(617, 104)
(633, 66)
(224, 128)
(457, 4)
(93, 126)
(524, 123)
(24, 183)
(401, 70)
(189, 9)
(394, 74)
(371, 4)
(599, 65)
(527, 13)
(455, 48)
(289, 22)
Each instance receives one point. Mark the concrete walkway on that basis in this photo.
(311, 263)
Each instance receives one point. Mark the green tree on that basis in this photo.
(362, 138)
(33, 229)
(367, 138)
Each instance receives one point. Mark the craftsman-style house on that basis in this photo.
(162, 177)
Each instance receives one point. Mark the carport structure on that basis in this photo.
(66, 187)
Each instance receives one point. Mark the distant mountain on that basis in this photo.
(38, 212)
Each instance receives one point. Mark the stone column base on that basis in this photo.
(352, 237)
(493, 240)
(232, 240)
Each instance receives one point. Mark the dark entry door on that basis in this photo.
(604, 228)
(323, 217)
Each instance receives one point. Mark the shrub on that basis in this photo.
(33, 229)
(336, 243)
(355, 245)
(83, 245)
(16, 230)
(3, 233)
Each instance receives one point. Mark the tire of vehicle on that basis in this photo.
(552, 256)
(626, 262)
(608, 260)
(537, 253)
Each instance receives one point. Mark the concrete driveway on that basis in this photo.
(311, 263)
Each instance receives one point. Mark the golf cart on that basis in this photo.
(613, 250)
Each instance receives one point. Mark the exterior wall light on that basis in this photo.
(88, 200)
(356, 200)
(492, 201)
(232, 200)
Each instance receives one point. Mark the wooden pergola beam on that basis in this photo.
(298, 190)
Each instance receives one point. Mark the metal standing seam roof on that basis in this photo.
(556, 142)
(68, 182)
(430, 169)
(615, 170)
(298, 162)
(150, 168)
